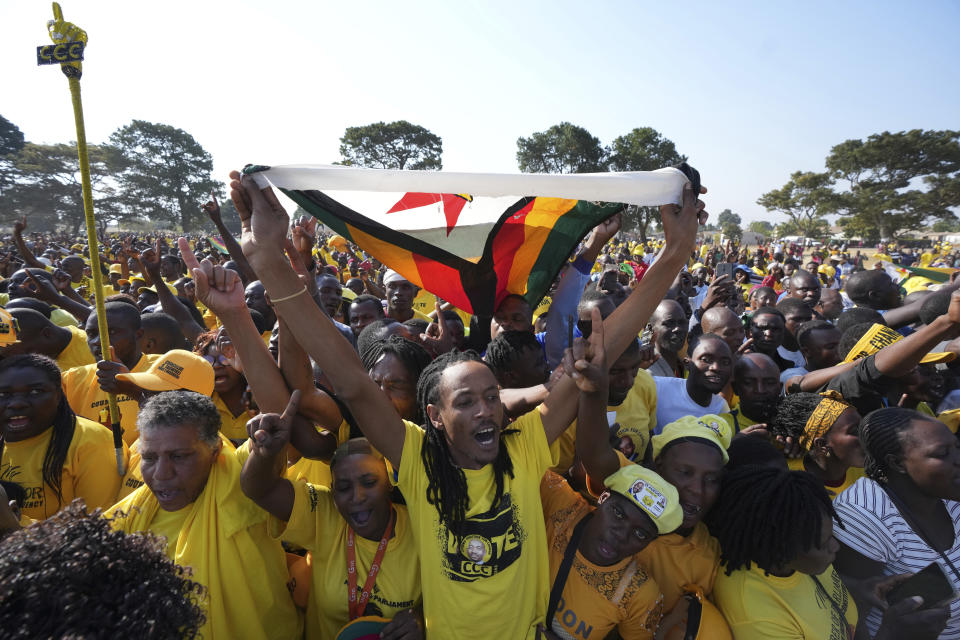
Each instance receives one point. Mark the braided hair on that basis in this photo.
(447, 487)
(881, 435)
(793, 411)
(413, 357)
(506, 349)
(64, 422)
(768, 517)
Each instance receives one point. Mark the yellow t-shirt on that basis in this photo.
(595, 599)
(759, 607)
(636, 416)
(317, 526)
(233, 427)
(168, 524)
(76, 353)
(87, 399)
(89, 470)
(853, 474)
(674, 561)
(503, 594)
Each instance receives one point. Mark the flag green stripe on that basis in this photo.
(566, 233)
(936, 276)
(327, 218)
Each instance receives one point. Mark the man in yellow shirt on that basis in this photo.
(192, 498)
(86, 387)
(400, 296)
(66, 345)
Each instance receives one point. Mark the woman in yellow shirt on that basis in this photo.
(776, 534)
(826, 428)
(54, 455)
(229, 386)
(351, 523)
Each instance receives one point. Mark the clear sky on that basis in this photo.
(749, 91)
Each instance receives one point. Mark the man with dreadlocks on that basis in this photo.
(472, 490)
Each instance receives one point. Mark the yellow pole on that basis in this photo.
(73, 72)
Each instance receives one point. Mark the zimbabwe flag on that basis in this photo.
(469, 238)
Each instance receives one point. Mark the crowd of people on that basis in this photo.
(682, 440)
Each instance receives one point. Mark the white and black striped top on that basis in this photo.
(875, 528)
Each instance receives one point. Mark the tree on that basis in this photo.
(394, 145)
(762, 227)
(805, 199)
(643, 149)
(563, 148)
(48, 189)
(885, 173)
(11, 142)
(166, 174)
(730, 224)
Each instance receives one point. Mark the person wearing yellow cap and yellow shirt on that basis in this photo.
(44, 447)
(825, 427)
(86, 387)
(776, 531)
(599, 582)
(193, 499)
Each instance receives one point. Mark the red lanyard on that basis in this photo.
(357, 606)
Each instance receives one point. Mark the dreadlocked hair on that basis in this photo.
(64, 422)
(768, 517)
(881, 435)
(793, 411)
(447, 487)
(413, 357)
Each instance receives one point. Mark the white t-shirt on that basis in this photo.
(874, 527)
(673, 402)
(793, 356)
(786, 374)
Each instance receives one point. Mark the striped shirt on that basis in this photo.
(875, 529)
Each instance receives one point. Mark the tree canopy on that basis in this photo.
(393, 145)
(643, 149)
(805, 200)
(165, 175)
(729, 223)
(563, 148)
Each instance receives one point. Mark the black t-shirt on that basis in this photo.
(863, 386)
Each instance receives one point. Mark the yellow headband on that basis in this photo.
(822, 418)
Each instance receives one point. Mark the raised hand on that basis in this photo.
(648, 355)
(150, 259)
(61, 280)
(42, 288)
(608, 228)
(718, 292)
(270, 432)
(263, 220)
(586, 360)
(20, 225)
(680, 224)
(437, 339)
(219, 289)
(212, 208)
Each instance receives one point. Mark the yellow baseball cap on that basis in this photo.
(652, 494)
(176, 369)
(709, 427)
(116, 268)
(9, 329)
(880, 336)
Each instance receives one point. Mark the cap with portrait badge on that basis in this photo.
(712, 428)
(176, 369)
(652, 494)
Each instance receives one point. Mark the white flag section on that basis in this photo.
(642, 188)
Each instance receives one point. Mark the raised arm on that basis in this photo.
(588, 363)
(623, 325)
(899, 358)
(150, 259)
(28, 258)
(212, 209)
(261, 479)
(265, 225)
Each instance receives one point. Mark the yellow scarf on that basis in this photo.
(822, 418)
(224, 541)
